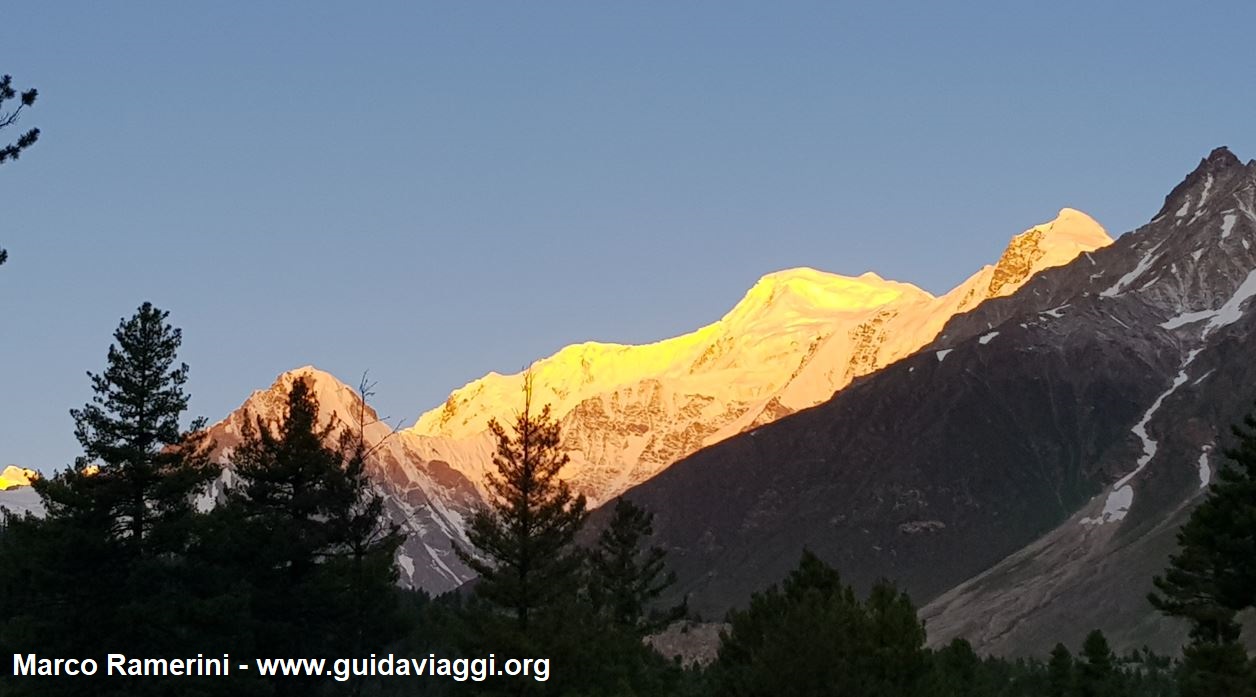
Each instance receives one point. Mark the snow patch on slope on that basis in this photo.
(1143, 264)
(1121, 497)
(1229, 313)
(1227, 224)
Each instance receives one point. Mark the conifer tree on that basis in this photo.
(140, 471)
(524, 540)
(897, 663)
(811, 637)
(313, 545)
(1096, 672)
(1212, 578)
(625, 579)
(1060, 672)
(956, 672)
(9, 118)
(109, 565)
(1210, 669)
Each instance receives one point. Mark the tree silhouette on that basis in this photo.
(109, 565)
(310, 536)
(1212, 578)
(626, 578)
(525, 538)
(9, 118)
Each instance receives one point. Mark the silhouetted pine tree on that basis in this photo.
(1212, 578)
(310, 540)
(812, 638)
(1060, 675)
(108, 568)
(1096, 672)
(524, 540)
(956, 671)
(896, 638)
(625, 579)
(8, 118)
(140, 471)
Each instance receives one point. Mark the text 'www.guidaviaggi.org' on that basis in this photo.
(339, 669)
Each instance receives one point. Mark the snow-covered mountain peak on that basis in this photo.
(1058, 242)
(739, 356)
(785, 295)
(14, 476)
(1073, 227)
(335, 400)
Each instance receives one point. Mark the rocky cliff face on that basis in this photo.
(1026, 470)
(628, 412)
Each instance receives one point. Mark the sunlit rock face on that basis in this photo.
(798, 335)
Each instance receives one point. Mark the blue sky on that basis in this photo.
(430, 191)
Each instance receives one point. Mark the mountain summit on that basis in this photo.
(796, 337)
(14, 476)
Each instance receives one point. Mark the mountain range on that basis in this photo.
(798, 336)
(1017, 453)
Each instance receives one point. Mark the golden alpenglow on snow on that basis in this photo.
(14, 476)
(796, 337)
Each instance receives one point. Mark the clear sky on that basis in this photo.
(430, 191)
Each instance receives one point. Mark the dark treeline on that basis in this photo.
(296, 559)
